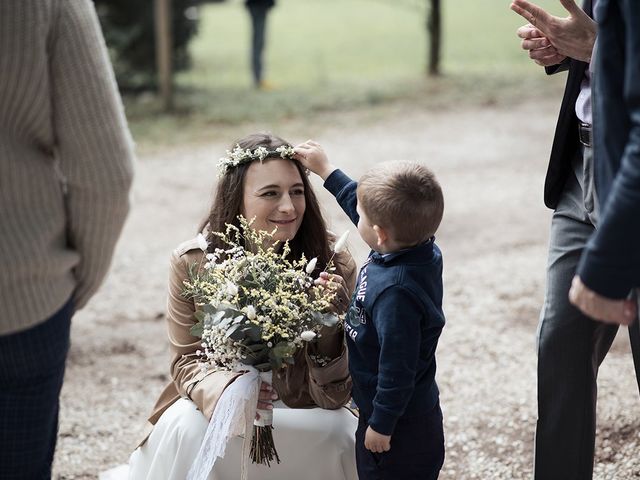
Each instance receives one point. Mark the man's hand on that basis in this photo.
(572, 36)
(596, 306)
(311, 155)
(540, 49)
(376, 442)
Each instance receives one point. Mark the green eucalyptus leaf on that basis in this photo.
(197, 330)
(283, 350)
(263, 367)
(209, 309)
(256, 353)
(217, 319)
(254, 332)
(257, 348)
(235, 332)
(275, 360)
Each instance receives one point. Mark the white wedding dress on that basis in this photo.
(313, 444)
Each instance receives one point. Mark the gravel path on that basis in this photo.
(494, 243)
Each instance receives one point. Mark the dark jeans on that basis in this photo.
(417, 450)
(31, 371)
(258, 15)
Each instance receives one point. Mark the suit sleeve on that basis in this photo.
(611, 263)
(92, 142)
(560, 67)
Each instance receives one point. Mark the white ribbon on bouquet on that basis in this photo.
(234, 415)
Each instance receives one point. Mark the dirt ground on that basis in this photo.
(491, 162)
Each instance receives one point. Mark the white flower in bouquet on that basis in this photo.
(308, 335)
(311, 266)
(254, 308)
(202, 242)
(250, 311)
(341, 243)
(232, 290)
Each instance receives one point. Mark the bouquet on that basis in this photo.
(256, 308)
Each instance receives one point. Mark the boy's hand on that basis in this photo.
(312, 156)
(336, 283)
(376, 442)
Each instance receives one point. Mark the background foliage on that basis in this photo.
(336, 55)
(128, 27)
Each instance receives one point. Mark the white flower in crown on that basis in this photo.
(285, 151)
(238, 156)
(261, 153)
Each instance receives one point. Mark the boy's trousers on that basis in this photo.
(417, 450)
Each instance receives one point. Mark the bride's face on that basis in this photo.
(274, 197)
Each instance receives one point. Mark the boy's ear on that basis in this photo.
(382, 235)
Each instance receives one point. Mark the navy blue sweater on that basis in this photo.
(392, 326)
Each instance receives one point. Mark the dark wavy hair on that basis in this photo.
(311, 238)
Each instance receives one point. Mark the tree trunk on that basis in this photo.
(164, 41)
(434, 32)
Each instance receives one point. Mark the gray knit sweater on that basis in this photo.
(66, 159)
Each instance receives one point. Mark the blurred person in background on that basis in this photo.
(66, 160)
(258, 11)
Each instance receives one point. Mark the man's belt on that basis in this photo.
(584, 134)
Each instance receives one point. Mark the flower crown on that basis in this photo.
(238, 156)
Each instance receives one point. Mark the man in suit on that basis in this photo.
(571, 346)
(610, 266)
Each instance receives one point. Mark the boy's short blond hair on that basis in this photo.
(404, 198)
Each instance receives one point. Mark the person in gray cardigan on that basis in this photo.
(66, 161)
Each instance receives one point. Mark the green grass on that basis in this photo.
(332, 55)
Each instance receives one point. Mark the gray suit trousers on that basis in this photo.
(571, 346)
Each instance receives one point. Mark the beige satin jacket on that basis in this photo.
(303, 384)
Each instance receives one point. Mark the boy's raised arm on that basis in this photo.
(311, 155)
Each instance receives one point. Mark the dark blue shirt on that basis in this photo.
(392, 326)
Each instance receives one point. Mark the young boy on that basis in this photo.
(395, 316)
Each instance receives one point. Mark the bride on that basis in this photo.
(314, 434)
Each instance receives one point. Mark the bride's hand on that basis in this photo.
(335, 282)
(266, 397)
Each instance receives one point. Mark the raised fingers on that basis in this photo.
(535, 15)
(571, 7)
